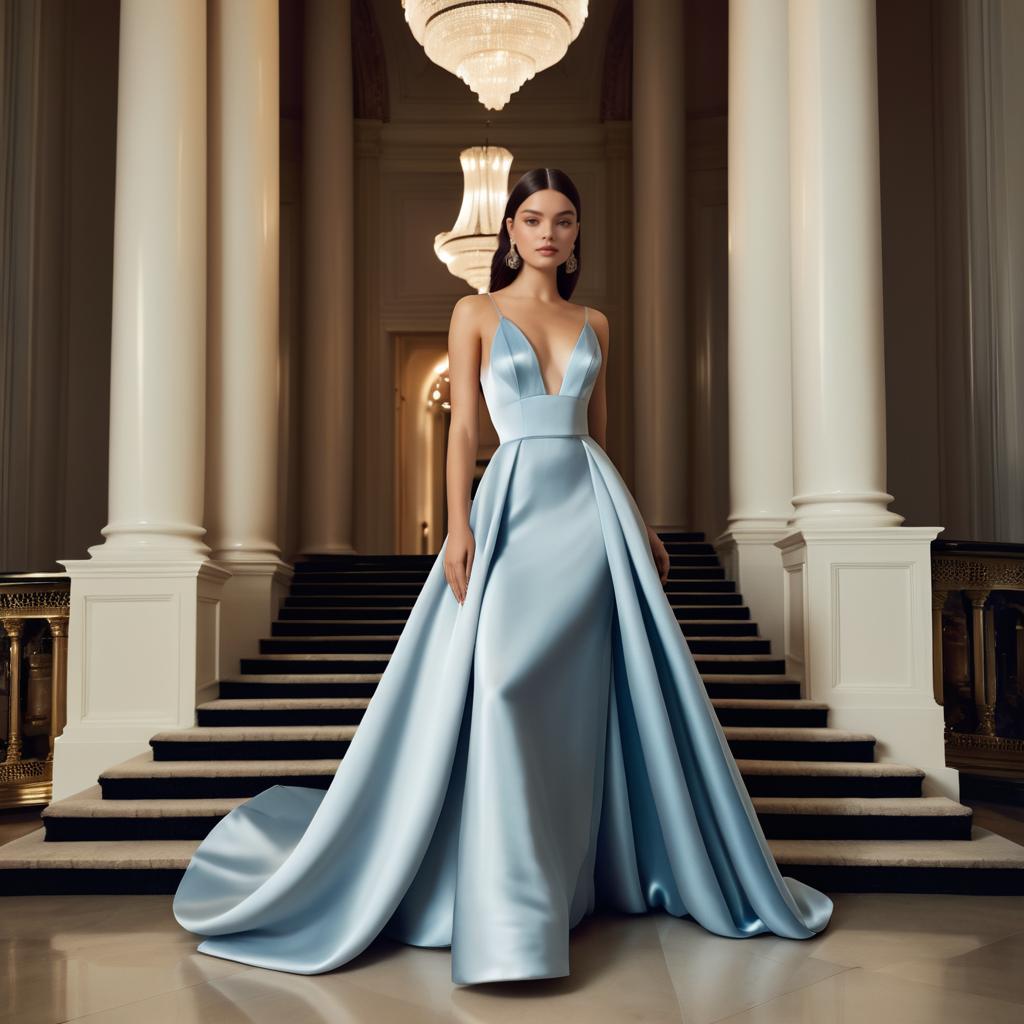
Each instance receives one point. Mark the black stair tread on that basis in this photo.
(335, 622)
(852, 806)
(304, 677)
(781, 704)
(319, 637)
(741, 657)
(756, 679)
(143, 766)
(872, 769)
(319, 656)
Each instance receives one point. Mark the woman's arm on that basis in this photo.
(597, 421)
(463, 440)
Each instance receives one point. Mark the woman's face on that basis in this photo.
(545, 218)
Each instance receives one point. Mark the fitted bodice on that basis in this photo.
(517, 399)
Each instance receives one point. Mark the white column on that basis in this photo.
(144, 607)
(659, 263)
(858, 590)
(838, 351)
(760, 417)
(243, 359)
(327, 353)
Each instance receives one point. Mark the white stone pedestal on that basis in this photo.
(857, 610)
(251, 598)
(142, 641)
(751, 558)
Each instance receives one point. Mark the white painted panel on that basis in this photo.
(132, 645)
(872, 625)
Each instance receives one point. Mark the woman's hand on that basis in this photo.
(458, 560)
(661, 559)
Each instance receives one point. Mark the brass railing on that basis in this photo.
(33, 682)
(978, 631)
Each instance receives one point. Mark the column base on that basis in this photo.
(751, 558)
(250, 602)
(857, 627)
(143, 639)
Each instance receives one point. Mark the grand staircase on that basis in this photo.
(834, 816)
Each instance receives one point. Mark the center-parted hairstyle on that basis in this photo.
(533, 181)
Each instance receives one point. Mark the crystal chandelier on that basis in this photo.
(469, 247)
(495, 45)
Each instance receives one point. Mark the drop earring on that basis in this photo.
(512, 258)
(572, 263)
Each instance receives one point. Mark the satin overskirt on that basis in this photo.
(544, 749)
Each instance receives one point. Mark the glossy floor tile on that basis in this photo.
(884, 958)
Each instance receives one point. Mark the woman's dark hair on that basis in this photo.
(533, 181)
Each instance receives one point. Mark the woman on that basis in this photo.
(540, 743)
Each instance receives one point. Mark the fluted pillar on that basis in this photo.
(760, 418)
(144, 607)
(327, 343)
(857, 585)
(659, 268)
(243, 350)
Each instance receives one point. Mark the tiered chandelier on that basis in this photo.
(468, 248)
(495, 45)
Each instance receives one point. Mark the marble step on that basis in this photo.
(987, 863)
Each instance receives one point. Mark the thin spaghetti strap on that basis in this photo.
(586, 316)
(493, 303)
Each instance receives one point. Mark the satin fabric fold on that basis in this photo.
(542, 750)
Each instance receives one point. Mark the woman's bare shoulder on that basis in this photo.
(596, 317)
(468, 313)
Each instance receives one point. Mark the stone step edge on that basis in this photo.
(143, 766)
(861, 806)
(984, 851)
(303, 703)
(91, 804)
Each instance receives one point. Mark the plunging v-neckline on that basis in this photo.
(536, 359)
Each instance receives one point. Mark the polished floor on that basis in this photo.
(927, 959)
(884, 958)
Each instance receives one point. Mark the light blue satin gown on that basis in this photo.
(544, 749)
